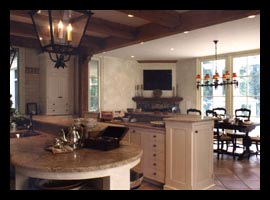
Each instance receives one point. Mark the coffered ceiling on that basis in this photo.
(113, 30)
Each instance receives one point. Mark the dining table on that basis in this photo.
(242, 127)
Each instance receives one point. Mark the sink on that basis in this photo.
(24, 134)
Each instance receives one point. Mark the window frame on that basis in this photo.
(228, 66)
(99, 86)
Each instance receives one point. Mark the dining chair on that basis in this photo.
(220, 111)
(194, 110)
(257, 141)
(240, 115)
(210, 113)
(219, 137)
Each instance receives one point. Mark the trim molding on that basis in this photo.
(157, 61)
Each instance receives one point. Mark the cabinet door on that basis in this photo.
(203, 154)
(135, 139)
(153, 144)
(58, 95)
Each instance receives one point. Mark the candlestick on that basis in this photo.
(69, 33)
(60, 30)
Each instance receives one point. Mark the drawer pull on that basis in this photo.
(154, 155)
(154, 136)
(154, 164)
(53, 104)
(53, 110)
(133, 131)
(154, 145)
(154, 173)
(60, 97)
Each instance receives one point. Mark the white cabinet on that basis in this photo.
(56, 87)
(153, 144)
(153, 160)
(189, 154)
(135, 139)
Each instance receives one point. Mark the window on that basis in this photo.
(93, 68)
(14, 82)
(248, 93)
(211, 97)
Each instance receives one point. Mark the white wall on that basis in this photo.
(185, 78)
(118, 80)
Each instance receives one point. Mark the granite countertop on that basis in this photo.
(139, 125)
(32, 155)
(68, 121)
(189, 118)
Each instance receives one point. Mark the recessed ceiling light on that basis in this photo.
(172, 49)
(251, 16)
(104, 52)
(130, 15)
(141, 42)
(40, 38)
(186, 32)
(132, 56)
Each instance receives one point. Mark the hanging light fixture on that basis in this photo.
(226, 78)
(12, 54)
(60, 32)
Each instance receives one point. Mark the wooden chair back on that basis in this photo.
(242, 113)
(194, 110)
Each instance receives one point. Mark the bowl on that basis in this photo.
(138, 110)
(130, 110)
(125, 119)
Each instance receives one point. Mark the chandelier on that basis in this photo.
(12, 54)
(227, 79)
(60, 32)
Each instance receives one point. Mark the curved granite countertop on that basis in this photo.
(30, 153)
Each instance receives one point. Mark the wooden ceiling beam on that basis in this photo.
(22, 29)
(95, 25)
(24, 42)
(189, 21)
(92, 42)
(167, 18)
(196, 19)
(110, 28)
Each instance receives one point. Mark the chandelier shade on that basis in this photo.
(60, 32)
(227, 79)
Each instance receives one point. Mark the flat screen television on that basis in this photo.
(157, 79)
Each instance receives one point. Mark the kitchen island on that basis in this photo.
(30, 159)
(178, 156)
(189, 153)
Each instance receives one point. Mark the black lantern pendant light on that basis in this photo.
(60, 32)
